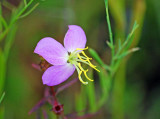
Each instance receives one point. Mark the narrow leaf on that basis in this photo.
(95, 55)
(127, 53)
(109, 44)
(28, 12)
(129, 40)
(2, 97)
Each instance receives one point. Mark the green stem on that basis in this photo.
(110, 30)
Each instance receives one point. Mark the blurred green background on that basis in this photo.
(23, 84)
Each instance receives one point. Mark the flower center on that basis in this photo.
(76, 58)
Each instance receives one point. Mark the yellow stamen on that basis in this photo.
(85, 73)
(90, 64)
(79, 76)
(80, 67)
(75, 58)
(82, 48)
(93, 66)
(85, 55)
(81, 58)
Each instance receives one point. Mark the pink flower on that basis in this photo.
(64, 59)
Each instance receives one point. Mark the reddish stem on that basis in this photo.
(55, 102)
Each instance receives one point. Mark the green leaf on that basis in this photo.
(109, 44)
(128, 41)
(2, 97)
(130, 35)
(126, 53)
(28, 12)
(95, 55)
(108, 22)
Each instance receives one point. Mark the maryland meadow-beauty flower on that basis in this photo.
(64, 59)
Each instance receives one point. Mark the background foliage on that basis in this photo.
(134, 90)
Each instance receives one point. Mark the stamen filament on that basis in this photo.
(91, 65)
(86, 58)
(81, 58)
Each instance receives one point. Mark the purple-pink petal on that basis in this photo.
(57, 74)
(74, 38)
(52, 51)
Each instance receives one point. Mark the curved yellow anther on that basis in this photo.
(82, 48)
(79, 76)
(85, 73)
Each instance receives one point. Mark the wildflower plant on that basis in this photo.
(65, 59)
(60, 62)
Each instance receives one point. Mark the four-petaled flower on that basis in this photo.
(64, 59)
